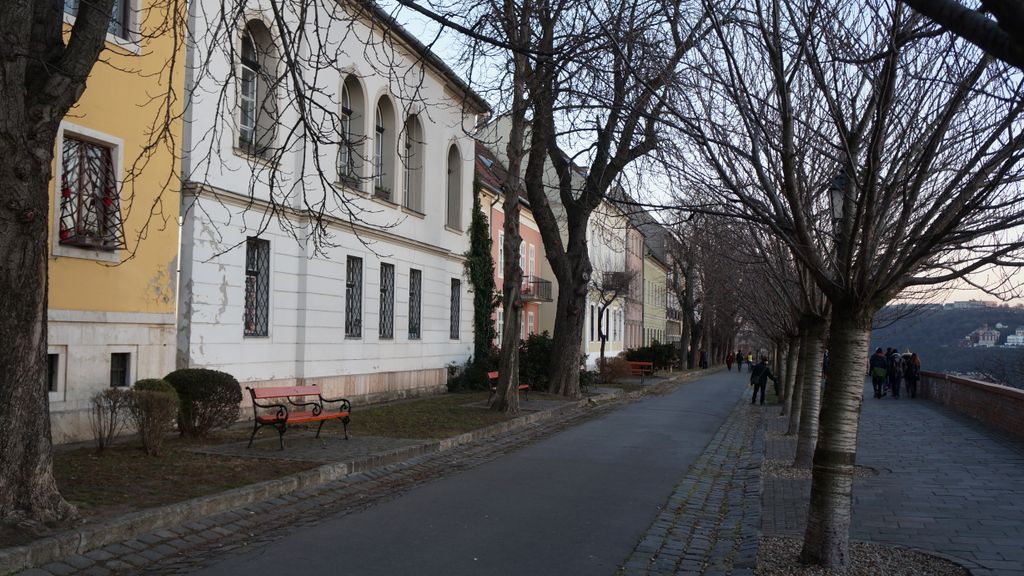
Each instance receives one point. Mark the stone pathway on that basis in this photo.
(945, 484)
(711, 523)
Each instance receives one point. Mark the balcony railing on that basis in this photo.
(535, 289)
(616, 281)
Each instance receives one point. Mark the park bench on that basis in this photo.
(492, 377)
(640, 368)
(280, 415)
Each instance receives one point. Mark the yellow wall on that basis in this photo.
(118, 102)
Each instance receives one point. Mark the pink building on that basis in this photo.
(535, 290)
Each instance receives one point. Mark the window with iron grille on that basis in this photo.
(119, 372)
(257, 287)
(387, 301)
(90, 212)
(354, 298)
(119, 15)
(415, 280)
(456, 302)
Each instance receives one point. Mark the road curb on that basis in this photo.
(81, 540)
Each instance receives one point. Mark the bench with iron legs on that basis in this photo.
(492, 378)
(279, 414)
(639, 368)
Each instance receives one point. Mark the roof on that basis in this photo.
(639, 217)
(492, 173)
(378, 13)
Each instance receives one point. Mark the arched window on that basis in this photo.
(257, 114)
(412, 181)
(453, 217)
(350, 139)
(384, 150)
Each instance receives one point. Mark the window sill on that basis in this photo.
(353, 337)
(69, 251)
(254, 158)
(351, 185)
(454, 230)
(412, 212)
(383, 200)
(255, 336)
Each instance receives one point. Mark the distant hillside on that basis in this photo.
(937, 334)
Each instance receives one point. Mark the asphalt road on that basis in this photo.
(574, 503)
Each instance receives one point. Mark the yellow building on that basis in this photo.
(113, 219)
(655, 300)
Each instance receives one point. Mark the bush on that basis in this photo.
(616, 367)
(535, 360)
(107, 415)
(154, 407)
(209, 399)
(587, 379)
(472, 377)
(661, 355)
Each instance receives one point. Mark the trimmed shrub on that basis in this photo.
(107, 415)
(154, 408)
(662, 355)
(535, 360)
(616, 367)
(209, 399)
(472, 377)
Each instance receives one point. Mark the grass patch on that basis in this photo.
(432, 417)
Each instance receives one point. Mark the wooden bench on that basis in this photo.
(297, 397)
(492, 377)
(639, 368)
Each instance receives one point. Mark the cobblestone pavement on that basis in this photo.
(944, 483)
(184, 549)
(711, 523)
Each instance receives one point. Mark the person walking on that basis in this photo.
(912, 373)
(759, 376)
(876, 366)
(750, 361)
(728, 361)
(894, 372)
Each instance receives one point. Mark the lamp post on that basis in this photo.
(837, 195)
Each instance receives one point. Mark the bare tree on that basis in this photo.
(608, 286)
(995, 26)
(915, 139)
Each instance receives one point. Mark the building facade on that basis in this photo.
(113, 222)
(655, 301)
(335, 259)
(536, 290)
(635, 299)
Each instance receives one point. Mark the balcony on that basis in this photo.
(535, 289)
(616, 281)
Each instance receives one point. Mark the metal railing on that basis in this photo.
(535, 289)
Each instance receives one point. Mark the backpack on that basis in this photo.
(896, 365)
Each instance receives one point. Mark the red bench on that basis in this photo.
(492, 377)
(639, 368)
(279, 415)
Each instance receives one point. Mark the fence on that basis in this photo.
(993, 404)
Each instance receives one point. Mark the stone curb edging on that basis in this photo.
(81, 540)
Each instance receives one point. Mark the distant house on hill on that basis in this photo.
(984, 336)
(970, 305)
(1017, 338)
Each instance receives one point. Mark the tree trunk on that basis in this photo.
(603, 338)
(506, 397)
(570, 319)
(792, 351)
(810, 396)
(797, 389)
(826, 541)
(27, 486)
(695, 331)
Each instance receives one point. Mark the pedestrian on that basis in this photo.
(894, 372)
(759, 376)
(728, 361)
(912, 373)
(750, 361)
(877, 365)
(703, 359)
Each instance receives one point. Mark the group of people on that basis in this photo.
(739, 359)
(890, 369)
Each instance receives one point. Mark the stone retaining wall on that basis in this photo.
(993, 404)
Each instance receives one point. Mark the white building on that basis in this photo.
(1017, 338)
(326, 248)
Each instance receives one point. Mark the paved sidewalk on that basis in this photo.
(944, 484)
(711, 523)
